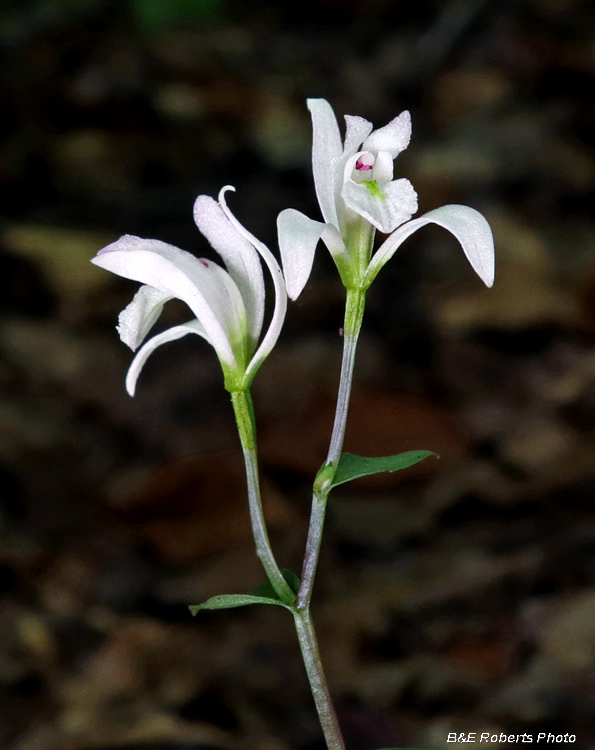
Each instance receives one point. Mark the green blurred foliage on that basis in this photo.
(154, 15)
(150, 15)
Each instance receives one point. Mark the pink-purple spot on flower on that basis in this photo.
(365, 163)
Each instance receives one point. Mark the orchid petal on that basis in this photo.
(356, 131)
(393, 137)
(271, 336)
(336, 247)
(384, 206)
(149, 347)
(298, 236)
(241, 259)
(137, 319)
(469, 227)
(326, 150)
(205, 287)
(334, 242)
(383, 168)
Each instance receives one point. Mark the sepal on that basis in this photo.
(469, 227)
(298, 236)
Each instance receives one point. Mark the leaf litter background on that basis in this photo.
(458, 595)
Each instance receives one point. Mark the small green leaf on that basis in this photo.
(263, 594)
(230, 601)
(156, 15)
(353, 467)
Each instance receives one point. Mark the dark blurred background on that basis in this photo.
(457, 596)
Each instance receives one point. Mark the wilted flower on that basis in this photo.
(228, 304)
(357, 195)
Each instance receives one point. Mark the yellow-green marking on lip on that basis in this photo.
(373, 189)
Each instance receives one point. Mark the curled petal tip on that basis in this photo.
(224, 190)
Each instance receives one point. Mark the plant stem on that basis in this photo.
(320, 691)
(244, 414)
(354, 313)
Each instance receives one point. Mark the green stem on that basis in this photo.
(318, 684)
(244, 413)
(354, 313)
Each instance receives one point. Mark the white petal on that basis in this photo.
(469, 227)
(350, 173)
(137, 319)
(241, 259)
(207, 289)
(326, 150)
(393, 137)
(383, 168)
(384, 206)
(356, 132)
(334, 242)
(147, 349)
(271, 336)
(298, 237)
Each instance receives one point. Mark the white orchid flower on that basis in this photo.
(358, 195)
(228, 304)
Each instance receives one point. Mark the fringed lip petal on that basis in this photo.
(326, 151)
(203, 286)
(136, 319)
(240, 257)
(298, 236)
(177, 332)
(393, 137)
(271, 336)
(469, 227)
(384, 206)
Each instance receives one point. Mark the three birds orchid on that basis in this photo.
(228, 304)
(357, 195)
